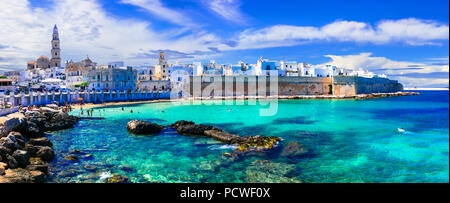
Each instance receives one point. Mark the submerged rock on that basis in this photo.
(264, 171)
(117, 179)
(143, 127)
(71, 157)
(294, 149)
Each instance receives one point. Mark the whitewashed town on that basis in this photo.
(50, 74)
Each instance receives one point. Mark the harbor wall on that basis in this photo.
(39, 98)
(224, 86)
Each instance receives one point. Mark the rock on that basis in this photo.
(223, 136)
(22, 157)
(143, 128)
(264, 171)
(249, 143)
(38, 176)
(117, 179)
(12, 162)
(71, 157)
(36, 164)
(3, 167)
(126, 168)
(76, 151)
(12, 122)
(68, 173)
(181, 123)
(256, 143)
(19, 139)
(46, 154)
(22, 176)
(32, 149)
(294, 149)
(3, 152)
(90, 167)
(9, 142)
(43, 141)
(190, 128)
(61, 121)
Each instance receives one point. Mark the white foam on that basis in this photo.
(105, 175)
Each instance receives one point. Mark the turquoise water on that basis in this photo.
(348, 141)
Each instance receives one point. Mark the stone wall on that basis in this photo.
(347, 86)
(287, 86)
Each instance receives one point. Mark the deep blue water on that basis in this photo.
(347, 140)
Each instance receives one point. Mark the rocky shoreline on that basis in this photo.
(25, 152)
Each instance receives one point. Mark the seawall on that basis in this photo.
(226, 86)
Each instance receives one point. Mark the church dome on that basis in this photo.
(43, 58)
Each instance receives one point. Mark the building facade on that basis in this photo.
(113, 79)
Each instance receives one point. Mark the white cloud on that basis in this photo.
(410, 31)
(400, 70)
(85, 28)
(227, 9)
(157, 8)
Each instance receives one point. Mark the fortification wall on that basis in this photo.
(287, 86)
(257, 86)
(347, 86)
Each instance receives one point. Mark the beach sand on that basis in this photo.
(91, 105)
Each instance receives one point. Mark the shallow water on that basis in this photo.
(348, 141)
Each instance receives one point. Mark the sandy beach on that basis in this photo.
(91, 105)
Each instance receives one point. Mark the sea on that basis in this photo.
(344, 141)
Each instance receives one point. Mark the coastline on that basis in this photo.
(299, 97)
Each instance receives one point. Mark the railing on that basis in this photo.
(39, 98)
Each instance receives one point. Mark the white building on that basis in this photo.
(291, 68)
(306, 70)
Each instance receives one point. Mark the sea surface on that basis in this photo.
(353, 141)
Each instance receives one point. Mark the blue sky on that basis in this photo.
(408, 40)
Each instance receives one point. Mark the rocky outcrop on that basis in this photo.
(22, 162)
(246, 144)
(24, 150)
(22, 176)
(143, 127)
(47, 119)
(12, 122)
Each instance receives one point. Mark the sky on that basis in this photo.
(406, 40)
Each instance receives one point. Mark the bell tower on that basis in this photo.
(56, 51)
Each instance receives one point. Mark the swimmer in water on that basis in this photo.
(131, 111)
(122, 109)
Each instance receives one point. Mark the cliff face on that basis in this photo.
(289, 86)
